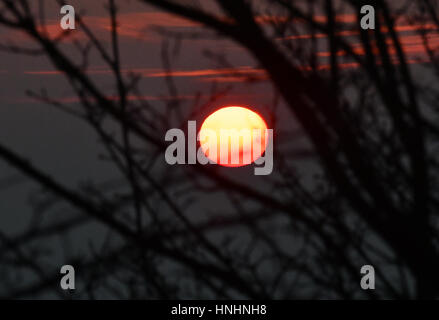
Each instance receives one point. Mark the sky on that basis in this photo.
(38, 131)
(141, 45)
(68, 150)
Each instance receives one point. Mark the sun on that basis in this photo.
(233, 136)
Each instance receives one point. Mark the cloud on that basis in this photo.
(411, 45)
(242, 70)
(269, 19)
(238, 74)
(159, 73)
(134, 25)
(75, 99)
(347, 33)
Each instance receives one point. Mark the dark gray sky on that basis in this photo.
(66, 148)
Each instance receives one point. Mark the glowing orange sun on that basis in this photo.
(233, 136)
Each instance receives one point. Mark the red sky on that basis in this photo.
(142, 44)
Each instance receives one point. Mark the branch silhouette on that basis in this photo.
(371, 131)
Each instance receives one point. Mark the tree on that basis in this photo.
(365, 118)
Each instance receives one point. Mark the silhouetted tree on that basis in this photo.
(362, 191)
